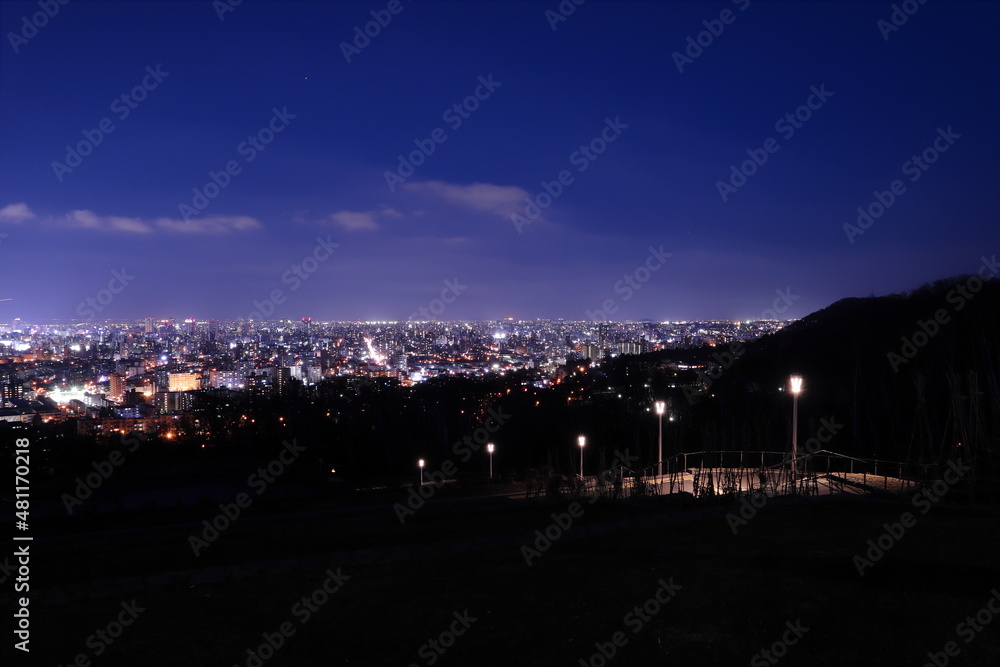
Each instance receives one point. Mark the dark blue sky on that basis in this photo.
(324, 173)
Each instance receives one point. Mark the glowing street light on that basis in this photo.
(661, 407)
(489, 450)
(796, 382)
(583, 443)
(420, 463)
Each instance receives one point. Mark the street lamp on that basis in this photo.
(583, 443)
(661, 407)
(421, 464)
(489, 449)
(796, 382)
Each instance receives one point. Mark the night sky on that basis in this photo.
(210, 85)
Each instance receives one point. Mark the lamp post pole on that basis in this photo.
(796, 382)
(661, 407)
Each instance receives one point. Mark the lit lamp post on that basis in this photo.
(661, 407)
(489, 449)
(420, 463)
(583, 443)
(796, 383)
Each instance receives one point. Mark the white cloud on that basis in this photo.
(354, 221)
(215, 224)
(500, 200)
(90, 220)
(16, 213)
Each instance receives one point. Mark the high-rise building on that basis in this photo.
(182, 382)
(314, 374)
(256, 384)
(226, 378)
(282, 376)
(172, 401)
(11, 387)
(400, 362)
(116, 386)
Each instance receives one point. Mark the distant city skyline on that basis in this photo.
(662, 161)
(192, 355)
(177, 321)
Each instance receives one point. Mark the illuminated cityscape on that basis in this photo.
(150, 367)
(544, 333)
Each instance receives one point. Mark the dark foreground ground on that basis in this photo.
(792, 563)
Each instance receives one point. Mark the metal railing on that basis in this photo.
(738, 473)
(720, 473)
